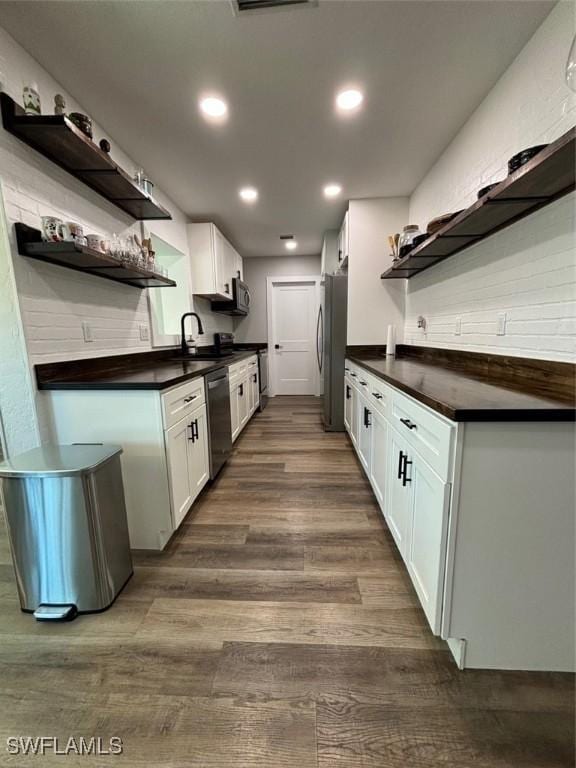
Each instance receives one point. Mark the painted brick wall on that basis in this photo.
(55, 301)
(526, 271)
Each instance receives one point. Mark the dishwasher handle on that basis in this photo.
(216, 382)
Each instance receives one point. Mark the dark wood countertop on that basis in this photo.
(154, 370)
(463, 396)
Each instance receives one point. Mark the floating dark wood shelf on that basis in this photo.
(545, 178)
(83, 259)
(55, 137)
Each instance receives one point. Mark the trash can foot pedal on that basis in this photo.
(55, 612)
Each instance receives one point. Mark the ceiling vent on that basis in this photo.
(241, 6)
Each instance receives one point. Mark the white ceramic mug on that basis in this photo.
(52, 229)
(94, 242)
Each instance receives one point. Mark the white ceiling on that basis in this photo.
(139, 67)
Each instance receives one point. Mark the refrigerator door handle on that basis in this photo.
(319, 335)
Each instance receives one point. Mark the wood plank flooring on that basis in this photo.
(279, 629)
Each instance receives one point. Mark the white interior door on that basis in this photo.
(293, 310)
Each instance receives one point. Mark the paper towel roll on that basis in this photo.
(391, 340)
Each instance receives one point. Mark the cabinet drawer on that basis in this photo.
(180, 402)
(430, 435)
(380, 395)
(237, 369)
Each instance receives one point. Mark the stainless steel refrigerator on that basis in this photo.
(331, 348)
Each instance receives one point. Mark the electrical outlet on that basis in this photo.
(458, 327)
(501, 324)
(87, 332)
(144, 334)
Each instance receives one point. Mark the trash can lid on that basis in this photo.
(59, 460)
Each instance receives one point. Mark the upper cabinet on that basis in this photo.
(330, 245)
(344, 241)
(214, 262)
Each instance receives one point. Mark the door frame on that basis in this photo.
(270, 281)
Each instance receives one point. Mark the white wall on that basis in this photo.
(254, 328)
(373, 304)
(527, 270)
(54, 300)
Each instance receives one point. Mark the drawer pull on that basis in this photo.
(409, 424)
(377, 395)
(353, 374)
(405, 479)
(364, 383)
(367, 415)
(347, 392)
(190, 398)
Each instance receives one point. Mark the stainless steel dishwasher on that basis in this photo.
(219, 423)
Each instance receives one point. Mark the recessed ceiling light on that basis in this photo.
(249, 194)
(291, 245)
(349, 99)
(214, 107)
(332, 190)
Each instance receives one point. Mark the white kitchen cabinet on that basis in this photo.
(177, 452)
(187, 454)
(163, 471)
(348, 404)
(344, 241)
(234, 411)
(379, 458)
(254, 387)
(364, 432)
(244, 402)
(464, 501)
(244, 393)
(429, 502)
(214, 262)
(398, 494)
(329, 262)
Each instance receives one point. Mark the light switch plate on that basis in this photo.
(501, 324)
(144, 334)
(458, 327)
(87, 332)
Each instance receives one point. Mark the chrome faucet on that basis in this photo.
(183, 344)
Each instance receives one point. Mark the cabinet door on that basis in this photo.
(181, 491)
(355, 416)
(348, 405)
(364, 433)
(379, 458)
(222, 264)
(243, 404)
(426, 551)
(198, 462)
(397, 508)
(234, 412)
(238, 266)
(255, 387)
(345, 237)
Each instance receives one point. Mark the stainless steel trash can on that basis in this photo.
(67, 527)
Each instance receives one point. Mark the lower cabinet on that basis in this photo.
(364, 437)
(397, 506)
(414, 500)
(379, 458)
(244, 393)
(348, 402)
(187, 454)
(425, 557)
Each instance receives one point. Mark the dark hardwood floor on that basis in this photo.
(278, 630)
